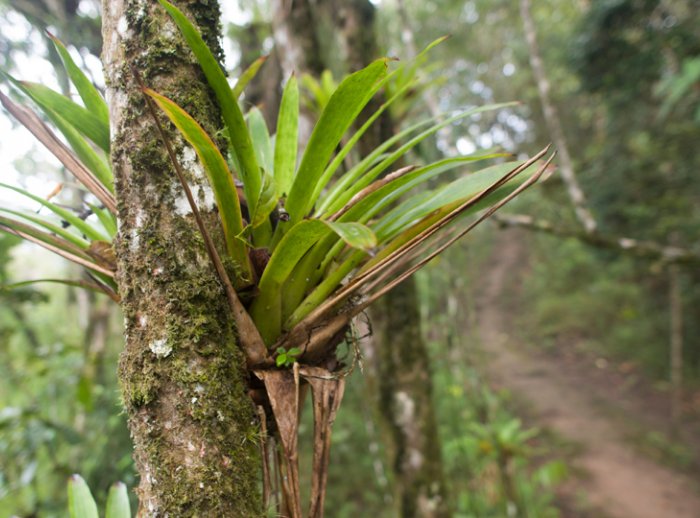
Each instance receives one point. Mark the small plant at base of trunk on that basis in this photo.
(286, 358)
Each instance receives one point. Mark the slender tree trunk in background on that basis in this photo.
(406, 405)
(445, 137)
(676, 339)
(402, 362)
(339, 35)
(551, 117)
(182, 374)
(297, 47)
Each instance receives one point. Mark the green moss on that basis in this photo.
(189, 412)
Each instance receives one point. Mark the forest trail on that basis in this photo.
(618, 480)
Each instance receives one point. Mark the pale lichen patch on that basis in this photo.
(161, 348)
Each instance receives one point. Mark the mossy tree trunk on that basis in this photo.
(182, 375)
(339, 36)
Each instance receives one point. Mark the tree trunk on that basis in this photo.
(551, 116)
(403, 377)
(406, 405)
(182, 374)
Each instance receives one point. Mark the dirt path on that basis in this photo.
(620, 481)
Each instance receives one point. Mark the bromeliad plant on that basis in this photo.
(315, 241)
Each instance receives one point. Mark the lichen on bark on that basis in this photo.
(183, 377)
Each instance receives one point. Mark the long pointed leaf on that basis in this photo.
(52, 243)
(248, 75)
(357, 170)
(56, 229)
(80, 118)
(359, 181)
(316, 262)
(260, 137)
(80, 501)
(88, 93)
(266, 309)
(286, 138)
(118, 502)
(93, 286)
(239, 137)
(107, 219)
(216, 170)
(93, 160)
(460, 189)
(338, 160)
(68, 215)
(343, 107)
(37, 128)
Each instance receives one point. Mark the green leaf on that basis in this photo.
(56, 229)
(92, 159)
(325, 288)
(248, 76)
(260, 137)
(54, 244)
(68, 215)
(316, 262)
(287, 137)
(343, 107)
(67, 282)
(88, 93)
(355, 182)
(239, 136)
(338, 160)
(216, 170)
(389, 193)
(80, 501)
(267, 203)
(457, 191)
(43, 237)
(54, 103)
(359, 169)
(118, 502)
(266, 309)
(107, 219)
(419, 206)
(354, 234)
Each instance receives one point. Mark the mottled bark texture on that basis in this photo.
(406, 405)
(182, 375)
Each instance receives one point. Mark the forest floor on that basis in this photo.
(590, 408)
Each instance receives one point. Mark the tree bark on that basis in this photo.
(264, 90)
(182, 374)
(406, 405)
(403, 376)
